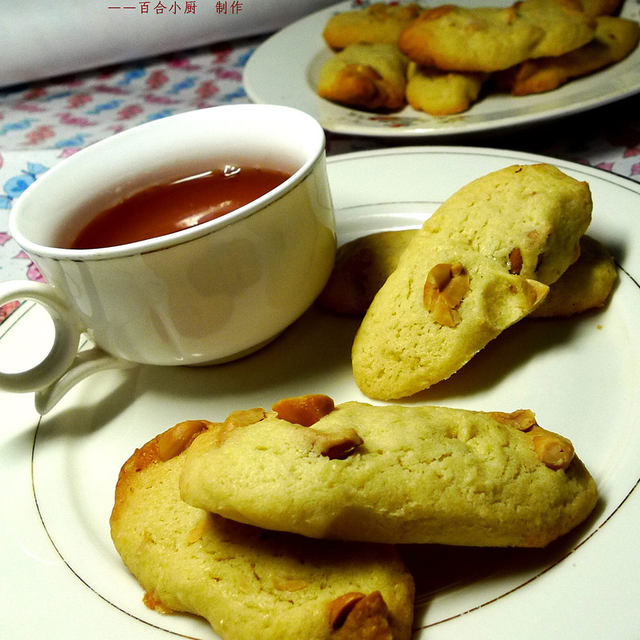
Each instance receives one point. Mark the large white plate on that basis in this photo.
(63, 578)
(285, 70)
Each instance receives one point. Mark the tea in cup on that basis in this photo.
(191, 240)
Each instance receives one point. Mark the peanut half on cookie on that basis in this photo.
(247, 582)
(391, 474)
(482, 262)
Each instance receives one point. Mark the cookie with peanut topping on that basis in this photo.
(614, 40)
(361, 267)
(371, 76)
(379, 22)
(432, 316)
(488, 39)
(247, 582)
(441, 93)
(507, 235)
(393, 474)
(587, 284)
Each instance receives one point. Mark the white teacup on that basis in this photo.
(207, 294)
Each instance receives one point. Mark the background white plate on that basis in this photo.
(63, 579)
(285, 70)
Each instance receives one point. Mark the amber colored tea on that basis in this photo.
(178, 205)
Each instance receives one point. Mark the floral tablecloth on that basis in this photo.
(46, 121)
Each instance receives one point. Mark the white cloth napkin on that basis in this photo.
(43, 38)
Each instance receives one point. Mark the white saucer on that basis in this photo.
(63, 579)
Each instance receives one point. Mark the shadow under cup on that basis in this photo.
(202, 295)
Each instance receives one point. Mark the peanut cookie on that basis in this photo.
(247, 582)
(479, 264)
(393, 474)
(614, 40)
(372, 76)
(586, 284)
(490, 39)
(563, 22)
(379, 22)
(440, 93)
(437, 310)
(361, 268)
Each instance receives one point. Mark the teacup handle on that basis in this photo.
(63, 366)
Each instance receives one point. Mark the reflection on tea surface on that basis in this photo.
(184, 203)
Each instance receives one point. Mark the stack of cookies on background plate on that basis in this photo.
(442, 59)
